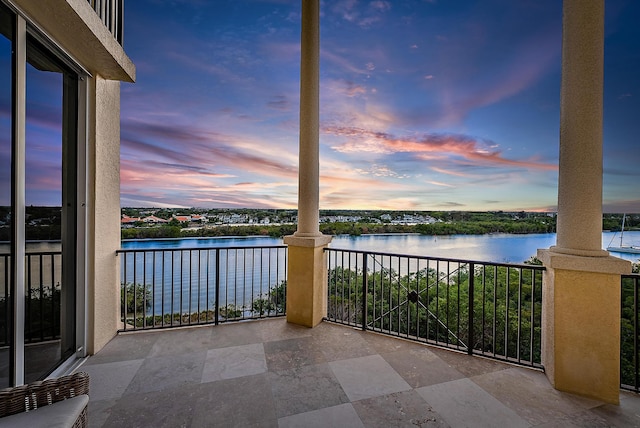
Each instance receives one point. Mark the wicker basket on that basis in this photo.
(41, 393)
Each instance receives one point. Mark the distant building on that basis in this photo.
(199, 218)
(154, 220)
(129, 220)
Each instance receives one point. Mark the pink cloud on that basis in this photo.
(441, 184)
(428, 146)
(199, 150)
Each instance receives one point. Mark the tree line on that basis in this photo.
(348, 228)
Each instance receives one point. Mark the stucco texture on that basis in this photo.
(104, 213)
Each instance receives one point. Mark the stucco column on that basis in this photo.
(103, 213)
(309, 165)
(581, 295)
(306, 278)
(580, 175)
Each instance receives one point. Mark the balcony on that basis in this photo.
(111, 14)
(192, 350)
(272, 373)
(181, 374)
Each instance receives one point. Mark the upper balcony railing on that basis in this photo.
(111, 13)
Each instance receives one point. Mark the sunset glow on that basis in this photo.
(425, 105)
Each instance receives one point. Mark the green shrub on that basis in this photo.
(135, 299)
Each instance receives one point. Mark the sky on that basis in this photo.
(424, 104)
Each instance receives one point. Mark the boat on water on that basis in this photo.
(631, 249)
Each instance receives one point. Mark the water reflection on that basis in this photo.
(497, 248)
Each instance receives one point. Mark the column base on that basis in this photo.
(306, 279)
(581, 323)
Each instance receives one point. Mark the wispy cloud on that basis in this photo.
(350, 11)
(196, 164)
(446, 108)
(380, 5)
(279, 102)
(428, 146)
(439, 183)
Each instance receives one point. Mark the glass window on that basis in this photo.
(39, 113)
(51, 109)
(6, 324)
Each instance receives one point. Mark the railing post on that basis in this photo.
(217, 309)
(365, 289)
(471, 308)
(120, 23)
(144, 291)
(636, 333)
(123, 291)
(135, 297)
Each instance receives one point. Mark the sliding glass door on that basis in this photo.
(51, 109)
(39, 188)
(7, 25)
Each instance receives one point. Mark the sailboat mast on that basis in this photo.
(624, 216)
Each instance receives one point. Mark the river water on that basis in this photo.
(179, 278)
(498, 248)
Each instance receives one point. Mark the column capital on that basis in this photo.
(301, 240)
(579, 252)
(607, 264)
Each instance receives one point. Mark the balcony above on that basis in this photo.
(111, 12)
(90, 31)
(271, 373)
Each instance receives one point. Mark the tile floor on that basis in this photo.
(272, 374)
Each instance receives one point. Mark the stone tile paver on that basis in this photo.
(110, 380)
(158, 373)
(405, 409)
(234, 361)
(462, 403)
(306, 388)
(528, 393)
(342, 416)
(421, 367)
(270, 373)
(367, 377)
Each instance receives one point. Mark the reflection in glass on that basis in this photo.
(50, 280)
(6, 324)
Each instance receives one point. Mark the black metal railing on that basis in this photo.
(630, 333)
(176, 287)
(488, 309)
(111, 13)
(43, 272)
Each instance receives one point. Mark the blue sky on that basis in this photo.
(425, 104)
